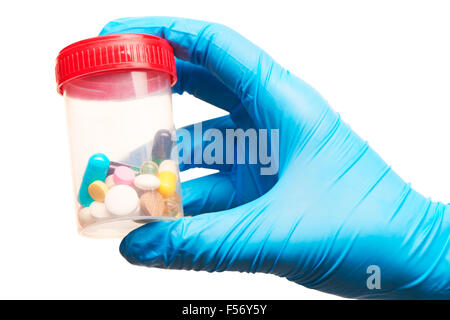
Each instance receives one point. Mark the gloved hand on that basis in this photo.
(336, 218)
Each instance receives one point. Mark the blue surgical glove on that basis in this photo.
(335, 218)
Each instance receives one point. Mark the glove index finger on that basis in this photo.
(239, 64)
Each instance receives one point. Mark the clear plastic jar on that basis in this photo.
(117, 94)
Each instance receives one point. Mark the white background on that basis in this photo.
(384, 65)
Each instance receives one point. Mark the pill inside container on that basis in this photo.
(118, 99)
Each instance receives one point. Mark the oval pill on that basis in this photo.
(121, 200)
(98, 210)
(146, 182)
(123, 175)
(97, 190)
(152, 204)
(149, 167)
(168, 183)
(168, 165)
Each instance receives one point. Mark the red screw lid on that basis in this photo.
(125, 51)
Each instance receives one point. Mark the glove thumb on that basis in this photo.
(190, 243)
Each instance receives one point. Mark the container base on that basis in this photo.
(118, 228)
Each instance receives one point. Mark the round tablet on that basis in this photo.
(146, 182)
(152, 204)
(168, 182)
(121, 200)
(123, 175)
(149, 167)
(97, 190)
(98, 210)
(109, 181)
(168, 165)
(85, 217)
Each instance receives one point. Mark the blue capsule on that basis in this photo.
(96, 169)
(162, 146)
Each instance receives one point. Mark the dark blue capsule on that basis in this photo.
(162, 146)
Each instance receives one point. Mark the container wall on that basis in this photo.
(123, 151)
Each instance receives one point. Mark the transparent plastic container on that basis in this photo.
(118, 99)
